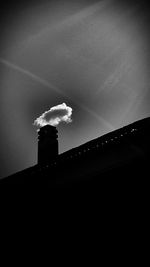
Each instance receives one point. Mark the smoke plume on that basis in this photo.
(55, 115)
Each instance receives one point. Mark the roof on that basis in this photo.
(126, 133)
(102, 153)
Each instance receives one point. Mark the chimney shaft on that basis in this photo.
(47, 144)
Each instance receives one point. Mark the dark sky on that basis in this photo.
(92, 55)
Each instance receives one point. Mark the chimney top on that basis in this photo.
(48, 130)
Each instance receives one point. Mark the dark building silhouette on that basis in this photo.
(121, 155)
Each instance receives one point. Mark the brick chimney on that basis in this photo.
(47, 144)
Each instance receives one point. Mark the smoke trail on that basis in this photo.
(55, 115)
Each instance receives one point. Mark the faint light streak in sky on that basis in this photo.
(30, 74)
(50, 86)
(75, 18)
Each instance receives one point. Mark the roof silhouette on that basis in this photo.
(118, 153)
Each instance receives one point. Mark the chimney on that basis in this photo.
(47, 144)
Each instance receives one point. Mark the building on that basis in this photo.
(119, 156)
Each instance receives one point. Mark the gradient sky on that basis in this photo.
(92, 55)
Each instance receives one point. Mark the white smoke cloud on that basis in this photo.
(55, 115)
